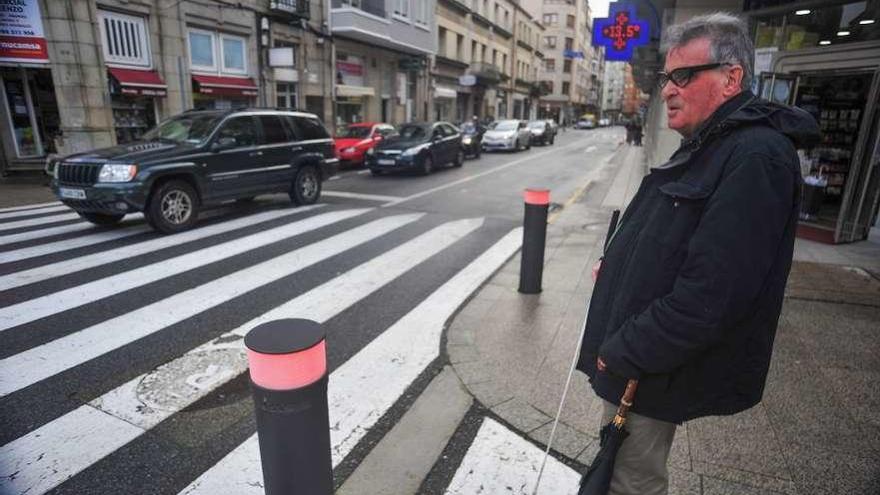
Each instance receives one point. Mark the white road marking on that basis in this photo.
(363, 172)
(530, 156)
(64, 229)
(63, 300)
(36, 211)
(335, 177)
(30, 207)
(369, 197)
(500, 462)
(38, 221)
(72, 265)
(41, 362)
(590, 149)
(367, 385)
(68, 244)
(151, 398)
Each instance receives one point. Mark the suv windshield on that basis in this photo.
(354, 132)
(411, 131)
(191, 129)
(507, 125)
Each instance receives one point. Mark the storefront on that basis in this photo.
(133, 95)
(827, 61)
(29, 110)
(444, 103)
(223, 93)
(352, 94)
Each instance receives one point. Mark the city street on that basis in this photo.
(123, 369)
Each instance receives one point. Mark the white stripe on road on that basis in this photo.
(73, 265)
(34, 206)
(41, 362)
(64, 229)
(151, 398)
(38, 221)
(590, 149)
(56, 302)
(367, 385)
(68, 244)
(368, 197)
(498, 459)
(36, 211)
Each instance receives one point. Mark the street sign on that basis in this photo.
(573, 54)
(620, 32)
(467, 80)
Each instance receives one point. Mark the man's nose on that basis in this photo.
(668, 91)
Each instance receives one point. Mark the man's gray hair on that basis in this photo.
(728, 36)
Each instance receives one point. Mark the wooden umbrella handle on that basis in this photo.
(626, 402)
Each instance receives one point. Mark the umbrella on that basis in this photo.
(597, 480)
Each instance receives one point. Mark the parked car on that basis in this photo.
(196, 160)
(585, 124)
(355, 139)
(417, 146)
(604, 122)
(472, 138)
(507, 135)
(541, 132)
(552, 123)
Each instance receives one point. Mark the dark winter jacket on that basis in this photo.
(692, 282)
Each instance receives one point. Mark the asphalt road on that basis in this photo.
(120, 365)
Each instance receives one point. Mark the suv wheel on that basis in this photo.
(101, 219)
(306, 187)
(427, 165)
(173, 207)
(459, 159)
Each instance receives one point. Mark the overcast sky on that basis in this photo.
(599, 8)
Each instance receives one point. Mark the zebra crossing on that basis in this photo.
(111, 335)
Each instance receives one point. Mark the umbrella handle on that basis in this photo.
(625, 402)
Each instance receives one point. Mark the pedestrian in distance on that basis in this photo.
(689, 290)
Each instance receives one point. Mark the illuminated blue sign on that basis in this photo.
(620, 32)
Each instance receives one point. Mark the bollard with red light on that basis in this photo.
(531, 267)
(288, 370)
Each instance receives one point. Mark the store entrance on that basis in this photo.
(32, 118)
(834, 170)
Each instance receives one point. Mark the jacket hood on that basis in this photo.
(747, 109)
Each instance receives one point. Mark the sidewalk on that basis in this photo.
(25, 189)
(818, 428)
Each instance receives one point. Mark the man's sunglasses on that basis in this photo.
(683, 75)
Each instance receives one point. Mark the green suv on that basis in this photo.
(196, 160)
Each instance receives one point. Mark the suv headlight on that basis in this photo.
(467, 140)
(114, 172)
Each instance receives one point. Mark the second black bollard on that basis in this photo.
(288, 370)
(531, 269)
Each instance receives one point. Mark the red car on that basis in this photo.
(356, 139)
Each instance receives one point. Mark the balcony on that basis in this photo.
(368, 22)
(374, 7)
(296, 8)
(486, 73)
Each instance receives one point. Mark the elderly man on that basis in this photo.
(691, 284)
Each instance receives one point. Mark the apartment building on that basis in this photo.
(612, 90)
(486, 60)
(382, 50)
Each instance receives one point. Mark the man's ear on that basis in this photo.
(732, 85)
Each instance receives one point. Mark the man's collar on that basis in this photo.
(721, 113)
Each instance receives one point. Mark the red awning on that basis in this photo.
(138, 82)
(225, 86)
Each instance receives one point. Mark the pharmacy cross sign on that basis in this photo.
(620, 32)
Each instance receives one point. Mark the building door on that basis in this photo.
(32, 114)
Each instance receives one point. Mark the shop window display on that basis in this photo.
(132, 117)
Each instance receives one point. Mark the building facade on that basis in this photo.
(570, 76)
(612, 91)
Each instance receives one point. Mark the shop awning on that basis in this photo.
(345, 90)
(225, 86)
(138, 82)
(441, 92)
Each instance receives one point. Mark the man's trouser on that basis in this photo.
(640, 466)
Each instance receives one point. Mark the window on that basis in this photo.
(473, 51)
(441, 41)
(566, 66)
(124, 39)
(205, 46)
(273, 129)
(551, 19)
(459, 46)
(550, 64)
(242, 129)
(569, 43)
(569, 21)
(550, 41)
(566, 88)
(401, 8)
(422, 13)
(309, 128)
(285, 94)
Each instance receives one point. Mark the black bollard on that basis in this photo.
(531, 267)
(288, 370)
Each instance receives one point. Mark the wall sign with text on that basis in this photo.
(620, 32)
(21, 32)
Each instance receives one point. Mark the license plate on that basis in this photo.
(69, 193)
(386, 162)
